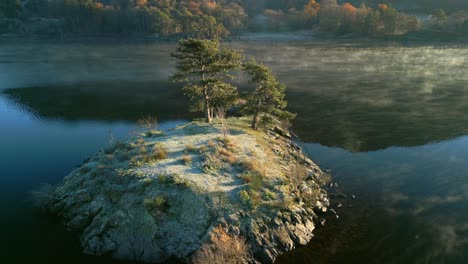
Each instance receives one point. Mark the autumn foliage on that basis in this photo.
(363, 20)
(383, 7)
(223, 248)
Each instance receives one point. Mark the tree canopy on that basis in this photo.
(205, 68)
(266, 101)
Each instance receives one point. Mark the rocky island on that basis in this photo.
(200, 192)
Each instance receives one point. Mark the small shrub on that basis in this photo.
(227, 155)
(255, 165)
(244, 197)
(255, 199)
(223, 248)
(148, 122)
(224, 140)
(187, 160)
(159, 203)
(297, 175)
(212, 164)
(189, 148)
(250, 198)
(160, 152)
(203, 149)
(253, 178)
(162, 178)
(180, 181)
(269, 195)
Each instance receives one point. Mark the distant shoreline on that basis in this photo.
(435, 37)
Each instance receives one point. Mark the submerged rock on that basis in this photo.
(162, 195)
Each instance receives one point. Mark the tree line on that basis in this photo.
(206, 69)
(194, 18)
(215, 18)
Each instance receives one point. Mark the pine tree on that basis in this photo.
(266, 101)
(205, 68)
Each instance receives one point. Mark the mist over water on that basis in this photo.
(389, 119)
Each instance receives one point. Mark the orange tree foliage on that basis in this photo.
(383, 7)
(349, 9)
(311, 9)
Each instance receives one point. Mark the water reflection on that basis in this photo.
(410, 206)
(351, 96)
(353, 102)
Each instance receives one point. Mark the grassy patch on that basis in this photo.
(245, 198)
(250, 198)
(143, 156)
(255, 165)
(211, 164)
(180, 181)
(253, 178)
(269, 195)
(227, 155)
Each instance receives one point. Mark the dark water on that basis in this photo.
(390, 121)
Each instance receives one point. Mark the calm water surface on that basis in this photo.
(390, 121)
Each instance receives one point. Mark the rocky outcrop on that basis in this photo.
(161, 194)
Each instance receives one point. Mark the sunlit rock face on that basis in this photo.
(161, 194)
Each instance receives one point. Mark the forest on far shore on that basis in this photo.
(221, 18)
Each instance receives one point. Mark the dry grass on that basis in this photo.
(227, 155)
(189, 148)
(297, 175)
(211, 144)
(148, 122)
(253, 178)
(255, 165)
(203, 149)
(160, 152)
(187, 160)
(223, 248)
(212, 163)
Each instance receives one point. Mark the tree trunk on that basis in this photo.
(208, 115)
(206, 102)
(255, 120)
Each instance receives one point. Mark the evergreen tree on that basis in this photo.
(204, 66)
(266, 101)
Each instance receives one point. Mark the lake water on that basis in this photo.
(390, 121)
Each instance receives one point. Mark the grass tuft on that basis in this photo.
(187, 160)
